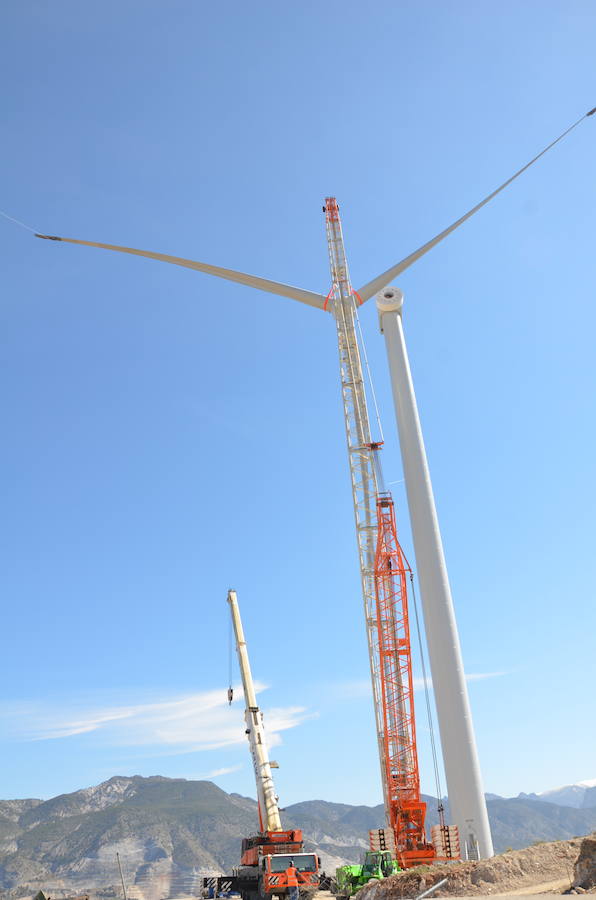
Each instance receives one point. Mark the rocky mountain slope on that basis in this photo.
(169, 832)
(161, 827)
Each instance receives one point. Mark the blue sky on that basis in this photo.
(168, 435)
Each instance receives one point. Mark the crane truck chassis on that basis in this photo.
(268, 878)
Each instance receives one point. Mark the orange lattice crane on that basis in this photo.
(404, 807)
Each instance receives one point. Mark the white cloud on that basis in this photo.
(180, 724)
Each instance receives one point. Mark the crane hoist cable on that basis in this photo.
(230, 663)
(431, 729)
(368, 372)
(18, 222)
(384, 498)
(433, 744)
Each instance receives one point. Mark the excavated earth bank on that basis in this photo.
(544, 867)
(585, 865)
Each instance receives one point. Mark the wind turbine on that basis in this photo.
(462, 769)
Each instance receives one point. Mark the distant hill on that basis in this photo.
(517, 823)
(169, 832)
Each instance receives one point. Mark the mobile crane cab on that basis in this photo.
(275, 872)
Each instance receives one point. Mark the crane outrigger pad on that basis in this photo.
(214, 886)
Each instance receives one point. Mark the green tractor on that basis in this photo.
(377, 864)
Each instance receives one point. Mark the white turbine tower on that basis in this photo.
(462, 770)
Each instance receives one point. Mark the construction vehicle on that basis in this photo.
(375, 866)
(273, 861)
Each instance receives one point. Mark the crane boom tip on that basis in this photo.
(48, 237)
(592, 111)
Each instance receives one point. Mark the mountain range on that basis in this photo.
(581, 795)
(170, 832)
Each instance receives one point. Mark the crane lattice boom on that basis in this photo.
(383, 577)
(358, 436)
(404, 808)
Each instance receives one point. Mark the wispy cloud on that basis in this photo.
(351, 690)
(480, 676)
(226, 770)
(180, 724)
(472, 676)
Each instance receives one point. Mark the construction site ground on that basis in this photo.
(543, 868)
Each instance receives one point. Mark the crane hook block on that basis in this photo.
(230, 695)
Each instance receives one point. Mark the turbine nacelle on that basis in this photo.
(390, 299)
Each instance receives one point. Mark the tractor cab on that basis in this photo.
(379, 864)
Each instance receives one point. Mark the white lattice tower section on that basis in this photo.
(360, 453)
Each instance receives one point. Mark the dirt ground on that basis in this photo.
(545, 868)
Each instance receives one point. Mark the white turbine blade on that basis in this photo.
(377, 284)
(263, 284)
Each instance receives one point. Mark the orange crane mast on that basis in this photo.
(405, 809)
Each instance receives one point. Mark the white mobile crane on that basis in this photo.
(269, 818)
(272, 861)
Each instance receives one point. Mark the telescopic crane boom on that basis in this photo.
(269, 818)
(273, 863)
